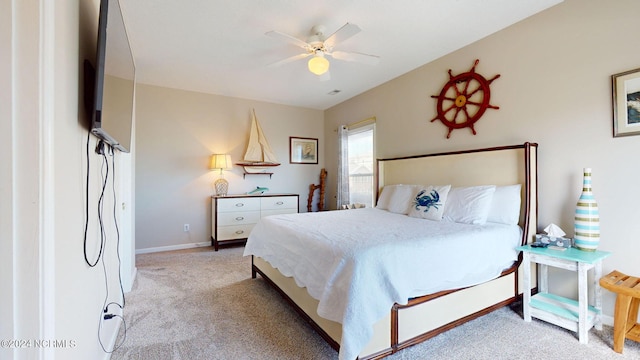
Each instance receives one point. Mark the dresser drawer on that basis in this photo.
(238, 218)
(234, 232)
(277, 212)
(238, 204)
(233, 217)
(279, 202)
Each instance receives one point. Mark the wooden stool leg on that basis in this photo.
(633, 312)
(632, 319)
(620, 321)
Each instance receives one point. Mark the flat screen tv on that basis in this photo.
(112, 111)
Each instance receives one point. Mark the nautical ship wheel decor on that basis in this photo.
(463, 100)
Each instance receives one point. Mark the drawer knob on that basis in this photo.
(240, 218)
(239, 232)
(239, 204)
(279, 203)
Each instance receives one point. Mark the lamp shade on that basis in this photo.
(318, 65)
(220, 161)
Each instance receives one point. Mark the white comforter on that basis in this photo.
(358, 263)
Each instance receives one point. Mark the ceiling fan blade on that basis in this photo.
(289, 59)
(288, 38)
(355, 56)
(342, 34)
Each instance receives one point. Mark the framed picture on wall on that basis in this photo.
(626, 103)
(303, 150)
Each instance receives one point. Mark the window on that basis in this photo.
(361, 164)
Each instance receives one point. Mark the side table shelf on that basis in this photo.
(554, 309)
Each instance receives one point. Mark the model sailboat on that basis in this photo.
(259, 155)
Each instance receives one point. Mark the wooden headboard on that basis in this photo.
(504, 165)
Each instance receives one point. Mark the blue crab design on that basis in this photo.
(427, 200)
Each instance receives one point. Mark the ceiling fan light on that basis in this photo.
(318, 65)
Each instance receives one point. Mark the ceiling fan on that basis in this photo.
(318, 46)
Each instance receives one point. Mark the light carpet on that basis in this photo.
(201, 304)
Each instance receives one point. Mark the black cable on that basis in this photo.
(103, 236)
(86, 208)
(102, 231)
(104, 314)
(105, 177)
(124, 335)
(99, 149)
(115, 222)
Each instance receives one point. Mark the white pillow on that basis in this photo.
(429, 202)
(505, 206)
(469, 205)
(400, 201)
(385, 197)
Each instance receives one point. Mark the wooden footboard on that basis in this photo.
(428, 316)
(406, 325)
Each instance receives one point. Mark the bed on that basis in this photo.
(374, 281)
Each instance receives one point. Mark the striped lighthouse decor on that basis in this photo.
(587, 218)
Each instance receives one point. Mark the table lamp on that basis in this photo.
(222, 162)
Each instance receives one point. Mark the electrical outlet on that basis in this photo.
(186, 227)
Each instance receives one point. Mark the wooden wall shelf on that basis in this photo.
(265, 173)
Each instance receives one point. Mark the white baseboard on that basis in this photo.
(172, 247)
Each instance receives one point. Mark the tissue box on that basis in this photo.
(553, 240)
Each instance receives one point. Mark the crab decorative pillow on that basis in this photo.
(428, 202)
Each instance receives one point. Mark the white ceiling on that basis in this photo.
(220, 46)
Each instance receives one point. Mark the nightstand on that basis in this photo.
(233, 216)
(570, 314)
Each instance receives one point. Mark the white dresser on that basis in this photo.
(233, 216)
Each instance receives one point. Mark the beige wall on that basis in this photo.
(555, 90)
(176, 133)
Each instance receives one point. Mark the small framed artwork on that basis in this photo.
(626, 103)
(303, 150)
